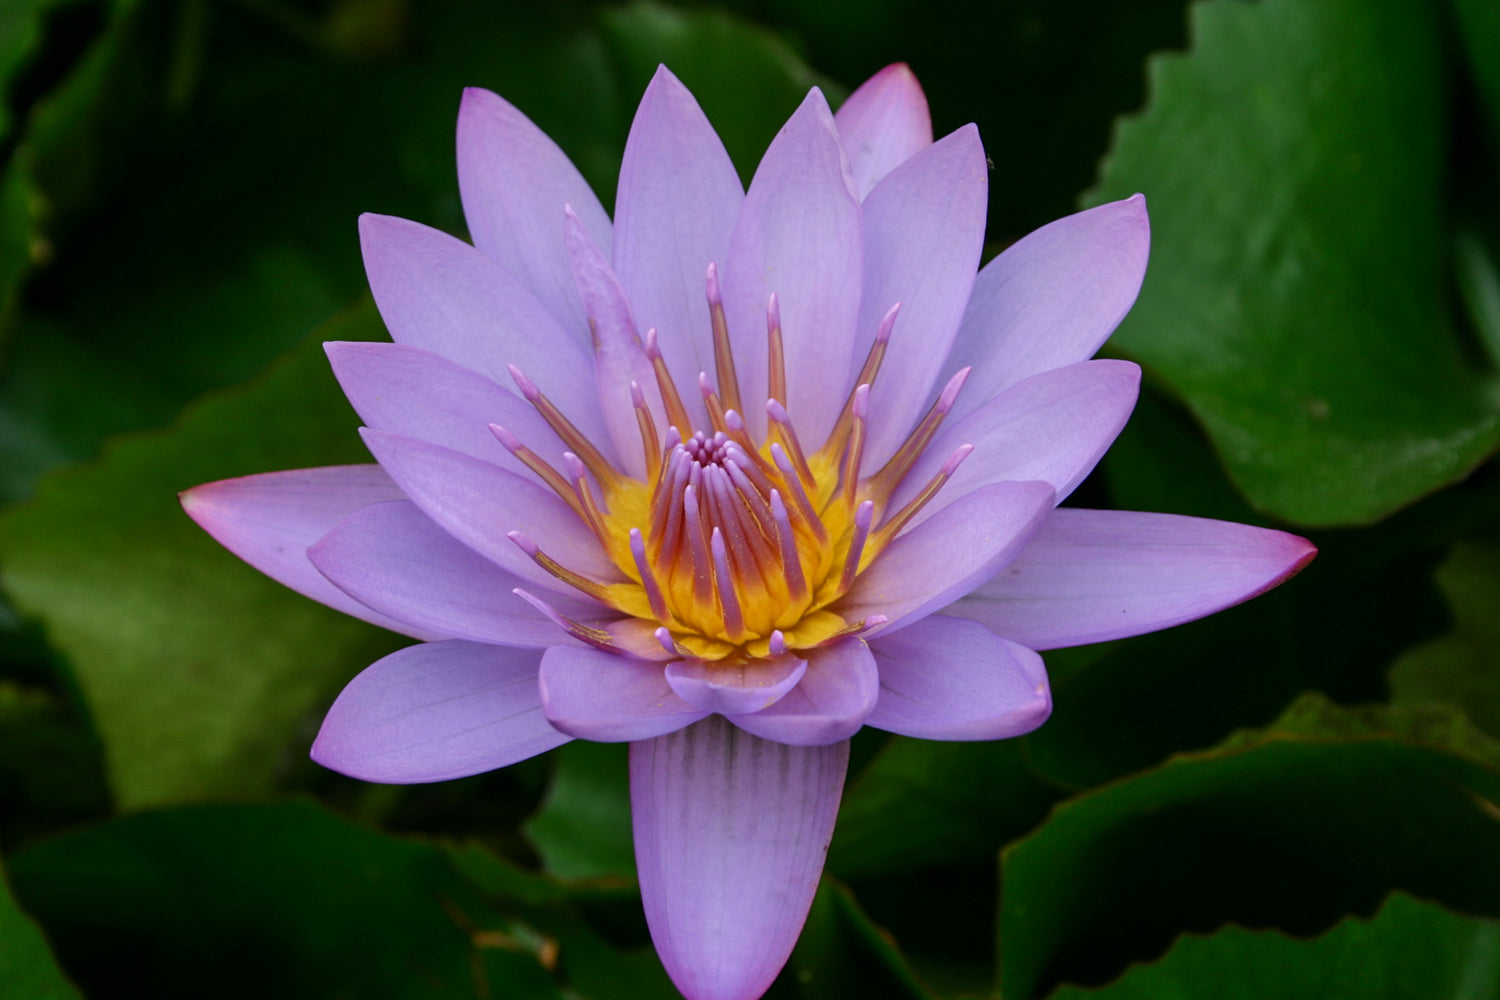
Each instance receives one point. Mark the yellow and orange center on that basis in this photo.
(731, 547)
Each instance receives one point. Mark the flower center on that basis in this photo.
(732, 547)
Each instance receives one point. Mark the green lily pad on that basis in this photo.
(1297, 297)
(199, 672)
(1408, 949)
(582, 830)
(27, 968)
(1317, 817)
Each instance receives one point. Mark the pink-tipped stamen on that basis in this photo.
(604, 472)
(859, 407)
(703, 590)
(898, 520)
(775, 351)
(777, 643)
(791, 561)
(676, 412)
(596, 637)
(650, 443)
(649, 583)
(729, 383)
(799, 494)
(729, 601)
(545, 472)
(863, 518)
(884, 482)
(782, 425)
(585, 494)
(575, 580)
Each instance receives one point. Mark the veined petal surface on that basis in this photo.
(437, 711)
(735, 688)
(610, 698)
(1051, 298)
(830, 703)
(730, 835)
(1094, 575)
(269, 520)
(514, 182)
(951, 679)
(884, 123)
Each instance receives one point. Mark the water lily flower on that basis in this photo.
(728, 477)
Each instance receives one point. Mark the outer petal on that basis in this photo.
(437, 711)
(829, 705)
(514, 182)
(946, 556)
(1092, 575)
(730, 836)
(269, 521)
(734, 689)
(799, 237)
(950, 679)
(1052, 298)
(923, 232)
(390, 556)
(415, 393)
(883, 123)
(678, 200)
(479, 504)
(610, 698)
(1053, 427)
(442, 295)
(619, 358)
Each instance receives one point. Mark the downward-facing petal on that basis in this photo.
(884, 123)
(735, 688)
(442, 295)
(799, 237)
(678, 199)
(730, 835)
(1053, 427)
(392, 557)
(480, 504)
(951, 679)
(1052, 298)
(514, 182)
(437, 711)
(1093, 575)
(610, 698)
(946, 556)
(829, 705)
(269, 521)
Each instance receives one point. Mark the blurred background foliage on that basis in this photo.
(1296, 798)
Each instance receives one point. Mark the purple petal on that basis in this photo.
(735, 688)
(1093, 575)
(514, 182)
(609, 698)
(437, 711)
(950, 679)
(1052, 428)
(269, 521)
(1052, 298)
(479, 504)
(948, 555)
(417, 394)
(829, 705)
(442, 295)
(884, 123)
(391, 557)
(923, 231)
(618, 356)
(730, 835)
(799, 237)
(678, 199)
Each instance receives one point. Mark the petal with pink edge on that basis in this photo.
(679, 197)
(415, 393)
(730, 835)
(946, 556)
(437, 711)
(392, 557)
(923, 232)
(798, 236)
(441, 295)
(514, 182)
(884, 123)
(269, 520)
(1052, 298)
(608, 698)
(735, 688)
(1052, 427)
(951, 679)
(1094, 575)
(829, 705)
(480, 504)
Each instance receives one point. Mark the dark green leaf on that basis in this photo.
(1408, 949)
(27, 969)
(583, 828)
(1297, 295)
(200, 673)
(1479, 28)
(1294, 827)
